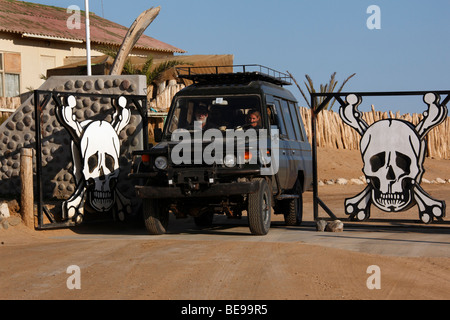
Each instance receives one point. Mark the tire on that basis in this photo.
(156, 219)
(293, 208)
(259, 209)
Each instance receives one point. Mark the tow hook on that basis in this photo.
(190, 186)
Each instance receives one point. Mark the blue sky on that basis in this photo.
(409, 53)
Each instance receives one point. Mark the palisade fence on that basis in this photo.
(332, 132)
(8, 106)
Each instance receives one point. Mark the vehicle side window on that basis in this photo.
(294, 117)
(271, 115)
(299, 121)
(288, 120)
(279, 117)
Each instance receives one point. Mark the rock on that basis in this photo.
(439, 180)
(356, 181)
(4, 210)
(329, 182)
(5, 224)
(14, 221)
(321, 225)
(335, 226)
(14, 206)
(425, 180)
(341, 181)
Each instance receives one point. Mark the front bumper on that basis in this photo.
(215, 190)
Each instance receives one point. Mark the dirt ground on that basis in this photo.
(227, 263)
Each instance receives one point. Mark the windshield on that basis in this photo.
(224, 112)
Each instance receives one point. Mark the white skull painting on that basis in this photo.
(393, 152)
(95, 153)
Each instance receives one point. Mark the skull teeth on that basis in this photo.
(102, 200)
(387, 200)
(102, 194)
(392, 196)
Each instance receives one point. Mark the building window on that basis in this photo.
(12, 85)
(10, 69)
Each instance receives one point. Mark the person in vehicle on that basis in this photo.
(201, 114)
(254, 120)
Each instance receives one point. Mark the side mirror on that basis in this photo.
(158, 134)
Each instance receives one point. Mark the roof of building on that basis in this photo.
(203, 63)
(32, 19)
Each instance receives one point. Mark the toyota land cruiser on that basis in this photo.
(233, 142)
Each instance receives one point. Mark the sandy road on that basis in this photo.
(226, 262)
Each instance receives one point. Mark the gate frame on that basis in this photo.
(139, 101)
(315, 110)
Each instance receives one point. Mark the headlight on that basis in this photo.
(161, 163)
(229, 160)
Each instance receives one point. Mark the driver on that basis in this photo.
(201, 114)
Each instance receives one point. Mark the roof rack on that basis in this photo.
(233, 74)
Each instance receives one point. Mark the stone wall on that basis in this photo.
(18, 131)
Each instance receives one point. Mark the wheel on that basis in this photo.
(156, 218)
(293, 208)
(259, 209)
(205, 220)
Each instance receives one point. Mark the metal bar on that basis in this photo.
(445, 101)
(57, 225)
(381, 93)
(82, 94)
(327, 210)
(323, 104)
(315, 110)
(342, 102)
(37, 116)
(314, 158)
(49, 215)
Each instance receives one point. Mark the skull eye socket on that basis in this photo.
(92, 162)
(109, 162)
(403, 162)
(377, 161)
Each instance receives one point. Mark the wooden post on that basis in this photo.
(26, 180)
(134, 33)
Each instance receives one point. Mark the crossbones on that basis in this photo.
(95, 153)
(393, 153)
